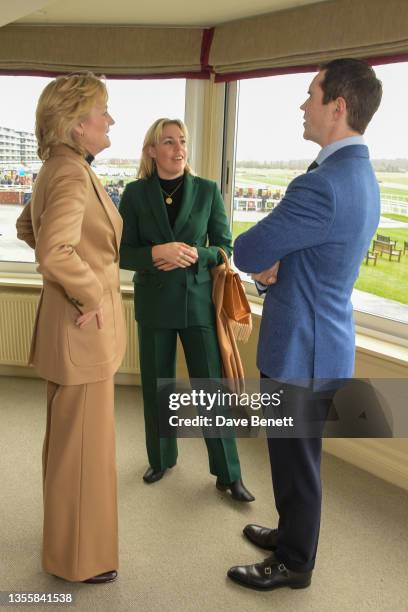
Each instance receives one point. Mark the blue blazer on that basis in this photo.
(320, 232)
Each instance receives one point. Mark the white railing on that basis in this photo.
(390, 206)
(394, 197)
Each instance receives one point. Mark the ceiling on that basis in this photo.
(134, 12)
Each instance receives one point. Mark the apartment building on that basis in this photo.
(17, 148)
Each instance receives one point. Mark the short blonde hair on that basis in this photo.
(147, 165)
(64, 103)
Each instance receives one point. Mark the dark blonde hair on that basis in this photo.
(64, 103)
(154, 133)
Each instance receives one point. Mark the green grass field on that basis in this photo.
(267, 177)
(388, 279)
(394, 191)
(393, 177)
(238, 227)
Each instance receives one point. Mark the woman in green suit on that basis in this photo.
(169, 218)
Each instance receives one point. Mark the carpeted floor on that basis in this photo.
(179, 536)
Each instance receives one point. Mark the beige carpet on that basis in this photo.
(179, 536)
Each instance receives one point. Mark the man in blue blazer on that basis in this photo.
(319, 233)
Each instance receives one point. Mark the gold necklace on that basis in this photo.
(169, 198)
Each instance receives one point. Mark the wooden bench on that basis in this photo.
(371, 255)
(387, 248)
(405, 246)
(387, 239)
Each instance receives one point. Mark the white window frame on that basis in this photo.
(382, 328)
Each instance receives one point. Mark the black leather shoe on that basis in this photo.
(261, 536)
(238, 490)
(268, 575)
(152, 475)
(102, 578)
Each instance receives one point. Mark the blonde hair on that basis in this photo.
(147, 165)
(64, 103)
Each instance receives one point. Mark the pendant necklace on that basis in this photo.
(169, 196)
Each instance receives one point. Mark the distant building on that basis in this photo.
(17, 148)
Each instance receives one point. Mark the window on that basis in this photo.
(270, 152)
(133, 104)
(18, 159)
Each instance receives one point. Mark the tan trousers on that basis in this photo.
(79, 477)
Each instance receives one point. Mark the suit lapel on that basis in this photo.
(155, 201)
(108, 205)
(187, 202)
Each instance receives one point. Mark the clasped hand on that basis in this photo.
(172, 255)
(268, 276)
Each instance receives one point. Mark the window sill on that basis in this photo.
(365, 342)
(35, 282)
(383, 349)
(25, 282)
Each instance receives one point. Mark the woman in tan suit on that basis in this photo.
(79, 337)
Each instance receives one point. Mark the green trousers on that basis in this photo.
(157, 352)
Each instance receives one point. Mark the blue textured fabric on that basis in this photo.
(320, 232)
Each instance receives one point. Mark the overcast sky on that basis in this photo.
(269, 121)
(271, 124)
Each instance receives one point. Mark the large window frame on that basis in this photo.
(383, 327)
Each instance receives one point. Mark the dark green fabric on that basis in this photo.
(157, 352)
(182, 297)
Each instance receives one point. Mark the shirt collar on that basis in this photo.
(338, 144)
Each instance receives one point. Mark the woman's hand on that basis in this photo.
(165, 266)
(173, 255)
(87, 317)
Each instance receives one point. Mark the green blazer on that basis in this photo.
(182, 297)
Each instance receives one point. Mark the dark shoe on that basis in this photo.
(268, 575)
(102, 578)
(238, 490)
(152, 475)
(261, 536)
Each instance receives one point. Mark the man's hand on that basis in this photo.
(87, 317)
(173, 255)
(269, 276)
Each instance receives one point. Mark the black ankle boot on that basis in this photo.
(238, 490)
(152, 475)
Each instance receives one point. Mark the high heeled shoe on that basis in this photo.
(239, 492)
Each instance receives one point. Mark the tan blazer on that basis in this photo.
(75, 230)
